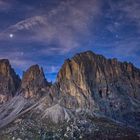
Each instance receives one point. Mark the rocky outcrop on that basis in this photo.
(33, 83)
(56, 114)
(9, 81)
(106, 86)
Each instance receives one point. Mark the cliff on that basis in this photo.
(106, 86)
(9, 81)
(33, 83)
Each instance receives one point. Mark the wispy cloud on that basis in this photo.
(64, 25)
(126, 12)
(5, 5)
(131, 10)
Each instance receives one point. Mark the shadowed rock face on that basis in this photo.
(105, 85)
(34, 82)
(9, 81)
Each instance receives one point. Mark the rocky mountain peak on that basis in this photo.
(5, 67)
(88, 63)
(92, 81)
(33, 81)
(32, 74)
(9, 81)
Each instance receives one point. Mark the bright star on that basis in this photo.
(11, 35)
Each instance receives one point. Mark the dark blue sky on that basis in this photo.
(47, 32)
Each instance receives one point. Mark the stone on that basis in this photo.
(106, 86)
(33, 82)
(9, 81)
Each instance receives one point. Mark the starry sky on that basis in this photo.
(46, 32)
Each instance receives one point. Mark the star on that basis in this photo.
(11, 35)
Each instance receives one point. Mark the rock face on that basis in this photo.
(56, 114)
(34, 83)
(89, 99)
(9, 81)
(104, 85)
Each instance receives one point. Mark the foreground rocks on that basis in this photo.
(92, 98)
(82, 128)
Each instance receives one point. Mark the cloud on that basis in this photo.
(126, 49)
(125, 12)
(5, 5)
(131, 10)
(16, 59)
(67, 26)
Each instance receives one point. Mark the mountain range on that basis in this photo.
(92, 98)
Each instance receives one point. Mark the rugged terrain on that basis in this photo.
(9, 81)
(92, 98)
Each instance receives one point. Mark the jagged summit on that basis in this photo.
(6, 61)
(88, 59)
(33, 81)
(5, 67)
(9, 81)
(87, 85)
(33, 75)
(105, 85)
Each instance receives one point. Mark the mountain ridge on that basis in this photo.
(87, 86)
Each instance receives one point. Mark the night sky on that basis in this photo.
(46, 32)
